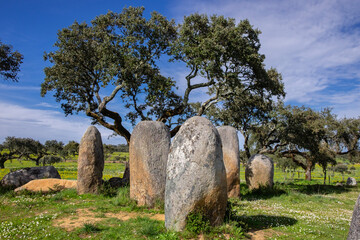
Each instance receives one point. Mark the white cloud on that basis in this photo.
(47, 105)
(314, 44)
(45, 125)
(14, 87)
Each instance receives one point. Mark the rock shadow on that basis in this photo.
(317, 188)
(261, 193)
(261, 221)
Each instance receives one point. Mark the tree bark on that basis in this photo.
(2, 164)
(246, 144)
(308, 171)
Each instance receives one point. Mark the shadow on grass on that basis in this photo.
(261, 193)
(311, 189)
(286, 188)
(259, 222)
(6, 191)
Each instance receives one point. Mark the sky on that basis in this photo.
(315, 45)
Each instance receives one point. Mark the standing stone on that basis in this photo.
(90, 162)
(196, 176)
(351, 181)
(354, 232)
(230, 148)
(148, 152)
(259, 172)
(23, 176)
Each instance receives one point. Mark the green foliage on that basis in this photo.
(118, 51)
(341, 168)
(9, 62)
(286, 164)
(71, 149)
(196, 222)
(227, 55)
(123, 198)
(90, 228)
(50, 160)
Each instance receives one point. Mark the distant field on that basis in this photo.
(68, 169)
(113, 168)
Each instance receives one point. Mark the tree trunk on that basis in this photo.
(246, 147)
(309, 165)
(308, 174)
(2, 164)
(324, 171)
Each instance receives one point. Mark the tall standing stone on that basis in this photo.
(354, 232)
(259, 172)
(230, 148)
(196, 177)
(90, 162)
(149, 149)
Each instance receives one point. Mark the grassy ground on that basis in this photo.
(294, 209)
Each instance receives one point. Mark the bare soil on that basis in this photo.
(87, 215)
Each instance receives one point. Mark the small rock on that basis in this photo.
(259, 171)
(351, 181)
(230, 148)
(148, 153)
(20, 177)
(47, 185)
(196, 176)
(90, 162)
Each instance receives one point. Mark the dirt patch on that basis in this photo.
(263, 234)
(87, 215)
(128, 215)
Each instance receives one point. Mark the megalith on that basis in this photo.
(90, 162)
(259, 171)
(230, 148)
(148, 152)
(354, 232)
(196, 177)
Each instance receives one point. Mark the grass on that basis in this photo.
(68, 169)
(293, 209)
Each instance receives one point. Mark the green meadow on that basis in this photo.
(293, 209)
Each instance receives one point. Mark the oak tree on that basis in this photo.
(115, 58)
(9, 62)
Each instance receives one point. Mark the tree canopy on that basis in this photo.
(30, 149)
(9, 62)
(116, 58)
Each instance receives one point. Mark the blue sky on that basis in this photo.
(314, 44)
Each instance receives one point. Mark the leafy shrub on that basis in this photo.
(50, 159)
(197, 223)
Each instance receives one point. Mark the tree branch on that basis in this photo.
(208, 103)
(117, 127)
